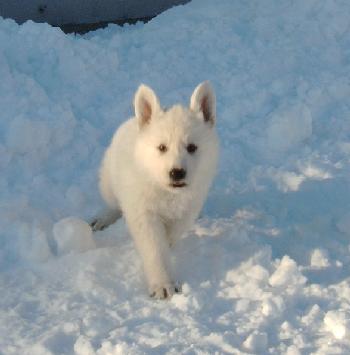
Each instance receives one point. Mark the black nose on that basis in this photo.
(177, 174)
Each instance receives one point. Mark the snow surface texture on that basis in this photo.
(266, 268)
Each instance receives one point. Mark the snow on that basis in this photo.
(319, 258)
(266, 267)
(256, 342)
(72, 235)
(335, 322)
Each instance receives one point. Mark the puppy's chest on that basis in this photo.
(172, 206)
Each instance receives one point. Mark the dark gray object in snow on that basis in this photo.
(83, 12)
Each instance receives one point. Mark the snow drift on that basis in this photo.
(266, 268)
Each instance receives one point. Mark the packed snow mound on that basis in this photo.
(72, 235)
(266, 267)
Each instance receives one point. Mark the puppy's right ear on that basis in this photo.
(146, 105)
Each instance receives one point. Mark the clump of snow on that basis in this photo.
(256, 342)
(319, 258)
(288, 180)
(73, 235)
(287, 274)
(265, 269)
(337, 322)
(82, 346)
(313, 316)
(185, 301)
(293, 350)
(293, 180)
(272, 305)
(314, 172)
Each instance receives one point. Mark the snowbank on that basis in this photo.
(266, 268)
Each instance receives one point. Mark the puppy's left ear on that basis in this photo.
(203, 100)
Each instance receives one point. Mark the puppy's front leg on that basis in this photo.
(149, 234)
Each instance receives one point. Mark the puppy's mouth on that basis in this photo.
(178, 184)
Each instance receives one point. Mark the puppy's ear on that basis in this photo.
(203, 100)
(146, 104)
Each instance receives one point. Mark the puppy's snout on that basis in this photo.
(177, 174)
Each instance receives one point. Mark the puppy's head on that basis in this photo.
(176, 147)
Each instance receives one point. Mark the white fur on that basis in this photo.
(134, 176)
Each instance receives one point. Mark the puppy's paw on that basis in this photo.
(162, 292)
(98, 224)
(101, 222)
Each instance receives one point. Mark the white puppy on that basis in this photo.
(157, 172)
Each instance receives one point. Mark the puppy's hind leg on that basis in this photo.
(105, 219)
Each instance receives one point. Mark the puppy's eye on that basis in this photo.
(162, 148)
(191, 148)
